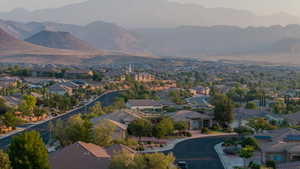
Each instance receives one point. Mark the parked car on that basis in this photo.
(182, 164)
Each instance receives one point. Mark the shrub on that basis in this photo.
(188, 134)
(230, 141)
(250, 142)
(216, 127)
(243, 130)
(271, 164)
(204, 130)
(231, 150)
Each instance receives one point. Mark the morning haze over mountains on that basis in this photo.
(148, 28)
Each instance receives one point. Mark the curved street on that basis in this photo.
(43, 128)
(199, 153)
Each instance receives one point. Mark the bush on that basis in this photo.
(181, 125)
(250, 142)
(188, 134)
(216, 127)
(204, 130)
(170, 109)
(231, 150)
(230, 141)
(253, 165)
(140, 148)
(243, 130)
(271, 164)
(251, 105)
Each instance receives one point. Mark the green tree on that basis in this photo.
(122, 160)
(3, 107)
(164, 127)
(181, 125)
(97, 109)
(260, 124)
(223, 110)
(76, 129)
(125, 160)
(28, 104)
(10, 120)
(103, 133)
(4, 161)
(27, 151)
(140, 128)
(249, 141)
(246, 153)
(155, 161)
(279, 107)
(251, 105)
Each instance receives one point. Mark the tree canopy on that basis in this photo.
(4, 161)
(142, 161)
(223, 110)
(28, 151)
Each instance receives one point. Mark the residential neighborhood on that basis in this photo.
(149, 84)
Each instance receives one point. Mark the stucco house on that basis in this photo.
(282, 145)
(195, 120)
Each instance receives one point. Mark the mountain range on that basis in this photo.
(59, 40)
(101, 35)
(178, 41)
(223, 42)
(47, 50)
(148, 13)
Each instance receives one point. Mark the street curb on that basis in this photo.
(172, 145)
(220, 156)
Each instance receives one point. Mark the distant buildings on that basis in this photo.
(143, 77)
(78, 74)
(60, 89)
(144, 104)
(200, 90)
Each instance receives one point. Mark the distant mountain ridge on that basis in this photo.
(101, 35)
(13, 50)
(59, 40)
(148, 13)
(196, 41)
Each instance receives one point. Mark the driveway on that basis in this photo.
(199, 153)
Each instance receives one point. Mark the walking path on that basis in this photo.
(172, 143)
(228, 161)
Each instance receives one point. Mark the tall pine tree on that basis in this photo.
(28, 151)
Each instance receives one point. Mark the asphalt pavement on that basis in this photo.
(199, 153)
(43, 128)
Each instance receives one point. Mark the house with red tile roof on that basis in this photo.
(81, 155)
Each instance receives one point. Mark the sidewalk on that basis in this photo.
(228, 161)
(172, 143)
(2, 136)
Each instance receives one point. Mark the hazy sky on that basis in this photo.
(258, 6)
(7, 5)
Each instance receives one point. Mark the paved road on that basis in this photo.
(106, 100)
(199, 153)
